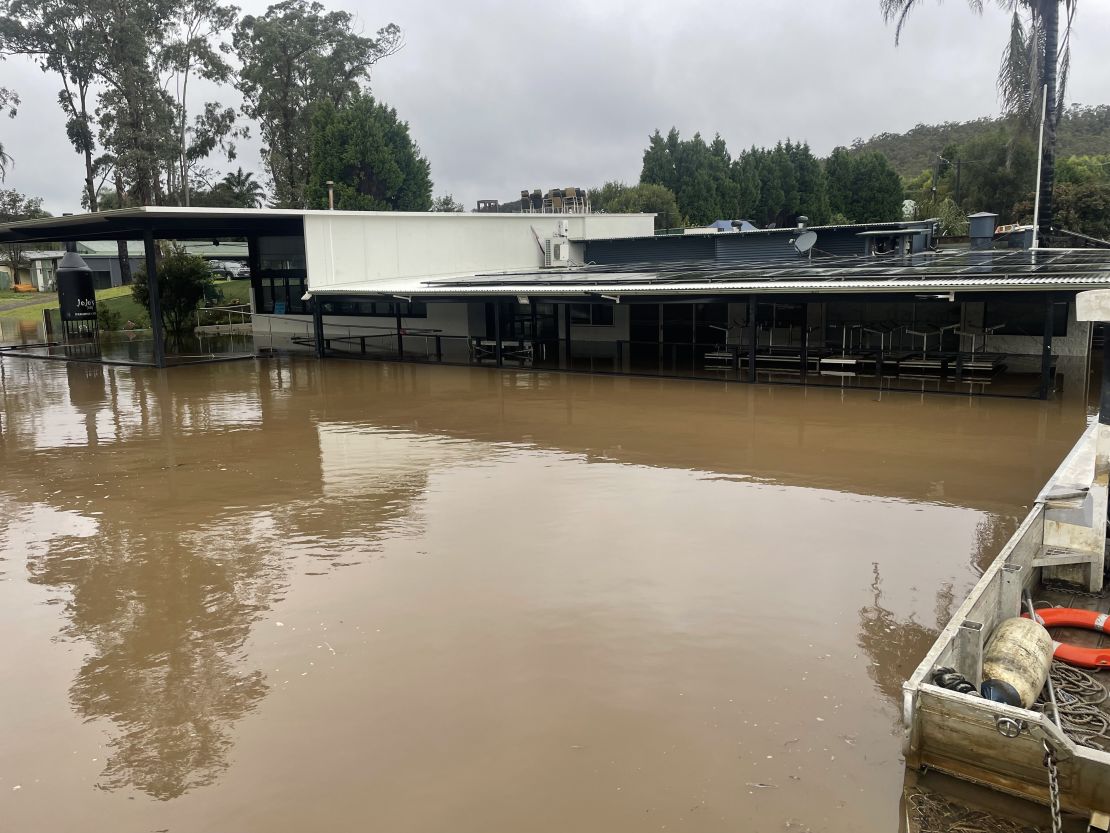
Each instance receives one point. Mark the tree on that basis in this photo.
(698, 174)
(9, 101)
(235, 190)
(647, 198)
(189, 49)
(1083, 169)
(813, 197)
(296, 58)
(367, 152)
(17, 206)
(1084, 207)
(658, 165)
(60, 36)
(136, 113)
(863, 187)
(1032, 61)
(447, 203)
(183, 281)
(244, 189)
(999, 170)
(1081, 206)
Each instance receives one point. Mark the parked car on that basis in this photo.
(243, 271)
(220, 271)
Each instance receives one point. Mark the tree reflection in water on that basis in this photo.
(166, 618)
(896, 646)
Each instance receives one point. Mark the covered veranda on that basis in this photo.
(993, 323)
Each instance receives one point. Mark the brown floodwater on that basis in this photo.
(284, 595)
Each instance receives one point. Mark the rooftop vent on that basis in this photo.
(980, 229)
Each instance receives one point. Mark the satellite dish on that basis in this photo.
(805, 241)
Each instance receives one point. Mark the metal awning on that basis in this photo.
(176, 223)
(1006, 270)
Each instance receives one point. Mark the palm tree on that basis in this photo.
(1033, 61)
(244, 190)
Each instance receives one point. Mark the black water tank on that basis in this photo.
(76, 294)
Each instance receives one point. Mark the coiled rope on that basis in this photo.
(1083, 705)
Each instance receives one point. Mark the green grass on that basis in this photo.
(34, 311)
(118, 299)
(235, 291)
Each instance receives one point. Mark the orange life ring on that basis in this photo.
(1068, 617)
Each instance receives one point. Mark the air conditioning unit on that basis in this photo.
(556, 252)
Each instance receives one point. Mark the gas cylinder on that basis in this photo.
(1016, 662)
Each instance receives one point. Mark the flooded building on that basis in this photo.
(882, 305)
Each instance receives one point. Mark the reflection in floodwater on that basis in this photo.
(165, 618)
(551, 602)
(896, 646)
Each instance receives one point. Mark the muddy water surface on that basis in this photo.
(288, 596)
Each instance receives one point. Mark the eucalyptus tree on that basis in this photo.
(61, 37)
(195, 46)
(9, 101)
(1035, 59)
(295, 58)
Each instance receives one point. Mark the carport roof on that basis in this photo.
(178, 223)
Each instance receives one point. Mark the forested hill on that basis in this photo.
(1083, 131)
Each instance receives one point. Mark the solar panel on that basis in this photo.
(1000, 264)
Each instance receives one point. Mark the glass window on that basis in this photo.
(598, 315)
(1025, 317)
(579, 313)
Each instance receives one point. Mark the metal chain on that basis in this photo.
(1069, 590)
(1053, 787)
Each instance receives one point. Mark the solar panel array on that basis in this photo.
(990, 263)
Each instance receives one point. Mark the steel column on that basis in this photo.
(497, 332)
(318, 328)
(566, 324)
(400, 335)
(156, 330)
(805, 340)
(1046, 349)
(751, 347)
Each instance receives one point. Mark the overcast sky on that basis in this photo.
(509, 94)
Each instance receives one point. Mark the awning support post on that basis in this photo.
(566, 326)
(156, 330)
(805, 340)
(754, 338)
(497, 332)
(1046, 349)
(318, 328)
(400, 333)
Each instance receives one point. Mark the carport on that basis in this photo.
(150, 224)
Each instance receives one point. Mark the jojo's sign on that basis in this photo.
(76, 295)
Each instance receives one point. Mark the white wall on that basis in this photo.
(356, 247)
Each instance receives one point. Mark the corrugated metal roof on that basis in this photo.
(421, 289)
(956, 272)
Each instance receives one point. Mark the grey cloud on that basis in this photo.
(505, 94)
